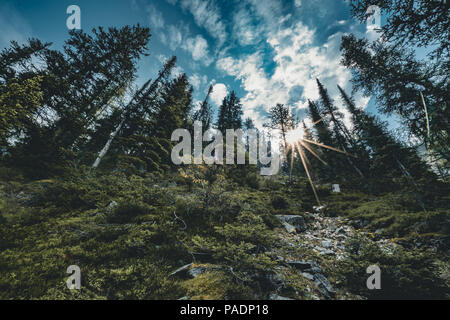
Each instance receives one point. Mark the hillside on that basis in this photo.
(130, 235)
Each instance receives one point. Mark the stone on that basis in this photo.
(327, 244)
(195, 272)
(308, 276)
(324, 285)
(298, 222)
(327, 252)
(274, 296)
(289, 228)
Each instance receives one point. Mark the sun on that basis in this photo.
(296, 141)
(294, 136)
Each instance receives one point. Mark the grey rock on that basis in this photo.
(195, 272)
(324, 285)
(327, 252)
(309, 266)
(299, 264)
(274, 296)
(276, 279)
(308, 276)
(327, 244)
(298, 222)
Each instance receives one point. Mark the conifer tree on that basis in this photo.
(204, 114)
(230, 113)
(341, 133)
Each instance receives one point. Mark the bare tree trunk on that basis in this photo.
(105, 149)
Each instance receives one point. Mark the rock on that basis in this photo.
(319, 209)
(324, 285)
(111, 206)
(327, 244)
(327, 252)
(298, 222)
(308, 276)
(302, 265)
(195, 272)
(274, 296)
(309, 266)
(276, 279)
(188, 272)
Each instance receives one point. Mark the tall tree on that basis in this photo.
(423, 23)
(341, 133)
(281, 119)
(230, 113)
(399, 81)
(204, 114)
(78, 84)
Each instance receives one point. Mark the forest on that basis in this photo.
(87, 179)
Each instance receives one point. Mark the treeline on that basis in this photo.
(80, 107)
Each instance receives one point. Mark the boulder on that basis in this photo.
(324, 285)
(327, 244)
(292, 221)
(195, 272)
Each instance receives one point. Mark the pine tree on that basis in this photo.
(341, 133)
(422, 23)
(399, 81)
(204, 114)
(281, 119)
(78, 85)
(230, 113)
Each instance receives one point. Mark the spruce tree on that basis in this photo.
(204, 114)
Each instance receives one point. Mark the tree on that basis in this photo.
(230, 113)
(422, 23)
(78, 84)
(281, 119)
(204, 114)
(398, 81)
(19, 99)
(341, 133)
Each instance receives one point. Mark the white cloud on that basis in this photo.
(244, 28)
(175, 37)
(197, 80)
(198, 47)
(155, 17)
(298, 3)
(220, 91)
(298, 63)
(207, 15)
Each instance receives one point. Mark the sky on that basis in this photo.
(268, 51)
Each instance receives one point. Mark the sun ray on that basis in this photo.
(302, 156)
(307, 147)
(327, 147)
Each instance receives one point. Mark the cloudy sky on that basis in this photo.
(268, 51)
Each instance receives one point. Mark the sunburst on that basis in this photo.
(296, 141)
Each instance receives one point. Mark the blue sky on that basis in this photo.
(268, 51)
